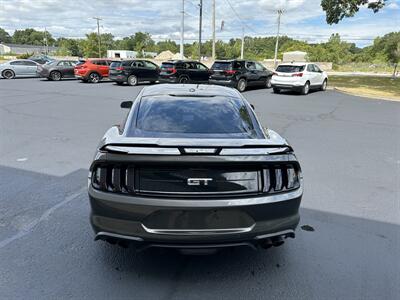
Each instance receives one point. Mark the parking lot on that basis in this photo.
(349, 247)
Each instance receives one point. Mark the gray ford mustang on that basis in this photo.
(192, 168)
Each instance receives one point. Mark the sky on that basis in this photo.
(302, 19)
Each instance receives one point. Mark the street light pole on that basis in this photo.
(280, 12)
(242, 48)
(98, 33)
(182, 29)
(213, 29)
(200, 25)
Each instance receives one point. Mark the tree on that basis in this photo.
(90, 45)
(31, 36)
(4, 36)
(336, 10)
(71, 47)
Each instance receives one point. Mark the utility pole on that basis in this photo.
(242, 48)
(98, 33)
(280, 12)
(200, 25)
(182, 28)
(213, 29)
(46, 45)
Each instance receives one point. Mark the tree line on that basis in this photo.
(385, 49)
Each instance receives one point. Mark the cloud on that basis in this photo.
(161, 18)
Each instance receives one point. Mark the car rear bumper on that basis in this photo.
(117, 78)
(231, 83)
(163, 79)
(166, 222)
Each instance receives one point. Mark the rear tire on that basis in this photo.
(241, 85)
(94, 78)
(306, 88)
(324, 85)
(132, 80)
(8, 74)
(55, 76)
(268, 83)
(276, 91)
(184, 80)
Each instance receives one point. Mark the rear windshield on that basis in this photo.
(115, 64)
(167, 65)
(222, 65)
(205, 117)
(289, 69)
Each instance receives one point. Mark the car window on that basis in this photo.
(259, 67)
(138, 64)
(167, 65)
(317, 69)
(15, 63)
(310, 68)
(63, 63)
(209, 115)
(28, 63)
(150, 65)
(188, 65)
(200, 66)
(290, 68)
(250, 65)
(238, 64)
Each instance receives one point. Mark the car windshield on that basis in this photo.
(203, 117)
(222, 65)
(289, 69)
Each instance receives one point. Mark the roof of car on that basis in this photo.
(189, 89)
(174, 61)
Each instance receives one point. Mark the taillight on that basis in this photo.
(230, 72)
(281, 178)
(119, 68)
(114, 178)
(171, 70)
(297, 75)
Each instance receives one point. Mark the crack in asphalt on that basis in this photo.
(31, 226)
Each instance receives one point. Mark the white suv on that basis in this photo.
(299, 77)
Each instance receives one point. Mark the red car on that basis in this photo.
(92, 70)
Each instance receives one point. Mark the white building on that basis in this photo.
(121, 54)
(24, 49)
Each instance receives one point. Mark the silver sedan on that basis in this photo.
(18, 68)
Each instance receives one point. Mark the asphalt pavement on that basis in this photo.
(349, 148)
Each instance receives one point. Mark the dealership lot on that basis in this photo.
(349, 150)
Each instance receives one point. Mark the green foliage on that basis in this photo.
(336, 10)
(31, 36)
(25, 55)
(4, 36)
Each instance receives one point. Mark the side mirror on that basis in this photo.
(253, 107)
(126, 104)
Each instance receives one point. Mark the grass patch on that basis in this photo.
(370, 86)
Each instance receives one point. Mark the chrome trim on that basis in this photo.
(279, 233)
(117, 236)
(198, 231)
(252, 151)
(144, 150)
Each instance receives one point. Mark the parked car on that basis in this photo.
(133, 71)
(184, 71)
(57, 69)
(93, 70)
(240, 74)
(41, 59)
(19, 68)
(191, 167)
(301, 77)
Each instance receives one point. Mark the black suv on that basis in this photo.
(183, 71)
(240, 74)
(133, 71)
(192, 167)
